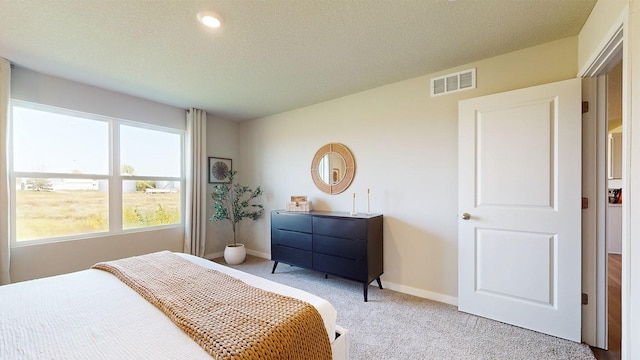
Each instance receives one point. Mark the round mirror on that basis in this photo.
(333, 168)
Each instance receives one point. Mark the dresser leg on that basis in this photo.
(379, 283)
(365, 289)
(275, 264)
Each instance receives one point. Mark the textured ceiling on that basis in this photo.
(271, 56)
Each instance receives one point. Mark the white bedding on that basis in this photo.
(91, 314)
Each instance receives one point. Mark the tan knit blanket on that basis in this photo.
(227, 317)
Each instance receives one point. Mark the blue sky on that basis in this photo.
(50, 142)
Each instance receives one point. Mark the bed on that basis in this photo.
(92, 314)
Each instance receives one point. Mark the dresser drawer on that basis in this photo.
(352, 269)
(354, 249)
(291, 256)
(340, 227)
(292, 222)
(292, 239)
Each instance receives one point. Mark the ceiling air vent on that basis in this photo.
(463, 80)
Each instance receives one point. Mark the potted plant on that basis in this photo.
(235, 202)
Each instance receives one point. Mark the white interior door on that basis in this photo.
(519, 244)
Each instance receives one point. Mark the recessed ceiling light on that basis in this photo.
(210, 19)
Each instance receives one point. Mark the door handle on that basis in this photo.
(465, 216)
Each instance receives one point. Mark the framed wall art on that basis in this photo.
(219, 170)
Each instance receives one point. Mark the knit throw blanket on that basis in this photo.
(225, 316)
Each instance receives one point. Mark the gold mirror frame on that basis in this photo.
(350, 169)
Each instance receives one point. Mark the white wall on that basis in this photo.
(222, 142)
(405, 148)
(50, 90)
(598, 29)
(34, 261)
(37, 261)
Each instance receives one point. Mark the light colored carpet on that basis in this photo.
(394, 325)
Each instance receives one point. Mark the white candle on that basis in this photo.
(368, 201)
(353, 208)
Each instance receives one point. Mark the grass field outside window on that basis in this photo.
(48, 214)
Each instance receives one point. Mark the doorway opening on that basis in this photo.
(614, 209)
(613, 215)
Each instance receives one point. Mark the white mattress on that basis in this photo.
(91, 314)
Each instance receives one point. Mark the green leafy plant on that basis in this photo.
(235, 202)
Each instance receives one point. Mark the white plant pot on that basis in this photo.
(234, 255)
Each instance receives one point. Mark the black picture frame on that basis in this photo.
(216, 166)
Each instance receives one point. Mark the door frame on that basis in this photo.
(612, 50)
(592, 233)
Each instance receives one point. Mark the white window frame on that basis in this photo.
(114, 177)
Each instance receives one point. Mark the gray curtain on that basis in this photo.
(196, 195)
(5, 89)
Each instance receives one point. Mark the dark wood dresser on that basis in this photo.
(334, 243)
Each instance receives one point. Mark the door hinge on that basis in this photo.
(585, 107)
(585, 299)
(585, 203)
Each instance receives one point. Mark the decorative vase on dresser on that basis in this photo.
(335, 243)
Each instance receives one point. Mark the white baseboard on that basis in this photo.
(451, 300)
(214, 255)
(218, 254)
(259, 254)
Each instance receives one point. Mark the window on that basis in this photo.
(77, 174)
(151, 176)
